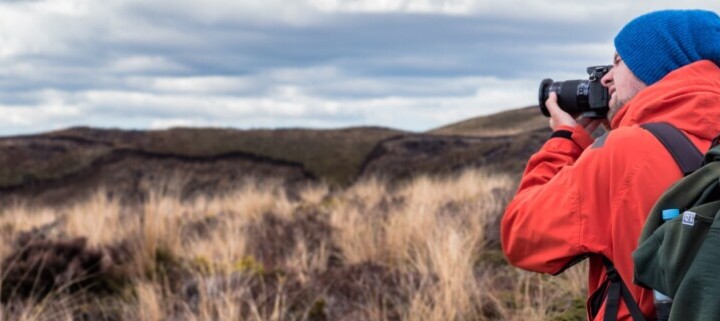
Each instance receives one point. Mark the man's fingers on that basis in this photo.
(558, 117)
(552, 105)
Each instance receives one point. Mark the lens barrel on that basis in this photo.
(572, 95)
(588, 98)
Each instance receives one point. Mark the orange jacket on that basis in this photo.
(575, 198)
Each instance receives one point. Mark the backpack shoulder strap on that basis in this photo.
(617, 289)
(689, 159)
(686, 155)
(612, 290)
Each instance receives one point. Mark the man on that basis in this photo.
(580, 197)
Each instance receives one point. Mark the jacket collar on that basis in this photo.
(688, 97)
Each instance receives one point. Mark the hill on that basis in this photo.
(412, 155)
(502, 141)
(505, 123)
(59, 166)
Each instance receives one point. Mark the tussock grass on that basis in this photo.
(417, 251)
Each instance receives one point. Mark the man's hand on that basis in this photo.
(559, 117)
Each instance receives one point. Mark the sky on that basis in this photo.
(407, 64)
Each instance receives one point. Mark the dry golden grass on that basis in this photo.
(413, 252)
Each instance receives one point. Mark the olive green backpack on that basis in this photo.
(681, 257)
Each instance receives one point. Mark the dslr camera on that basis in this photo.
(587, 98)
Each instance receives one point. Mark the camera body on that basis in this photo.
(588, 98)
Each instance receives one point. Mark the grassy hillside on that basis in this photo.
(31, 160)
(509, 122)
(332, 155)
(408, 156)
(337, 157)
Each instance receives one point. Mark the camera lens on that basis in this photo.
(588, 98)
(572, 95)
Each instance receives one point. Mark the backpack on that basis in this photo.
(681, 257)
(688, 159)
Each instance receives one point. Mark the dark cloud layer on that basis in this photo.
(369, 45)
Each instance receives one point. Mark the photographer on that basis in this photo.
(580, 197)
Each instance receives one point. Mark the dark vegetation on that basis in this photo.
(44, 262)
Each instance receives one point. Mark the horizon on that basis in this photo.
(360, 126)
(312, 64)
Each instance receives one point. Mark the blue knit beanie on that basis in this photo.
(659, 42)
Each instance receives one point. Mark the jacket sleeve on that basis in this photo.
(541, 228)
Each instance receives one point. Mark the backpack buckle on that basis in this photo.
(612, 274)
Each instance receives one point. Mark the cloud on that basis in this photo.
(284, 106)
(275, 63)
(142, 64)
